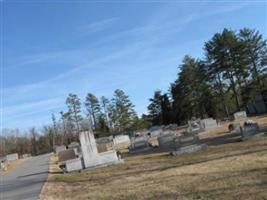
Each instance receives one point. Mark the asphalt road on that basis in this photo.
(26, 181)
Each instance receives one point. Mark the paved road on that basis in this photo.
(26, 181)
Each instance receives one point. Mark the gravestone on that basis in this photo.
(74, 165)
(234, 128)
(122, 142)
(104, 144)
(74, 145)
(189, 149)
(68, 154)
(155, 131)
(139, 142)
(195, 126)
(91, 157)
(249, 131)
(240, 115)
(166, 141)
(60, 148)
(12, 157)
(208, 124)
(186, 139)
(153, 142)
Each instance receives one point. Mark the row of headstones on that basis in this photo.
(184, 142)
(179, 143)
(167, 139)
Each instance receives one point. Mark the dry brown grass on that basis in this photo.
(11, 166)
(229, 171)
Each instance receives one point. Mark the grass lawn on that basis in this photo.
(235, 170)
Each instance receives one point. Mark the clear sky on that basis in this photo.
(52, 48)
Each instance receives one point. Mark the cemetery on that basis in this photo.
(133, 100)
(199, 157)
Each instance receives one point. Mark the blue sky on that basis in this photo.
(52, 48)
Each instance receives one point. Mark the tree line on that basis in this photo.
(228, 78)
(232, 72)
(102, 115)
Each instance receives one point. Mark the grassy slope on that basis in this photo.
(235, 170)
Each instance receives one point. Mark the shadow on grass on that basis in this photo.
(39, 173)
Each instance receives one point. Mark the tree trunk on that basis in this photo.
(235, 91)
(222, 96)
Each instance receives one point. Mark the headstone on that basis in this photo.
(155, 131)
(122, 142)
(234, 128)
(209, 123)
(249, 131)
(74, 145)
(91, 157)
(189, 149)
(240, 115)
(195, 126)
(153, 142)
(74, 165)
(172, 127)
(186, 139)
(139, 142)
(166, 141)
(104, 147)
(11, 157)
(104, 144)
(60, 148)
(68, 154)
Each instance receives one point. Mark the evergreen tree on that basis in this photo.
(160, 109)
(256, 52)
(155, 109)
(122, 111)
(191, 93)
(228, 56)
(74, 111)
(93, 108)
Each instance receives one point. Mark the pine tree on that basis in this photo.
(93, 108)
(155, 114)
(74, 111)
(122, 111)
